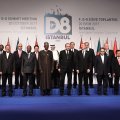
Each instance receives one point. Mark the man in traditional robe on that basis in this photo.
(46, 69)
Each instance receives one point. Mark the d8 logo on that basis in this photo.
(55, 24)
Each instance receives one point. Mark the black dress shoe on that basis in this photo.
(30, 94)
(105, 93)
(91, 86)
(10, 94)
(79, 93)
(111, 86)
(74, 86)
(69, 93)
(99, 93)
(3, 94)
(16, 87)
(87, 93)
(115, 92)
(61, 93)
(24, 94)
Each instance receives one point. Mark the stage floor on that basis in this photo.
(56, 107)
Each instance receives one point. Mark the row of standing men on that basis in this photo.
(47, 69)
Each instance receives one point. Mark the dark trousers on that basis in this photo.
(0, 80)
(36, 80)
(26, 77)
(18, 82)
(83, 76)
(6, 76)
(90, 76)
(110, 81)
(116, 84)
(102, 79)
(62, 79)
(75, 78)
(55, 76)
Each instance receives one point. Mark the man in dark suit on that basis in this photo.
(28, 69)
(83, 67)
(36, 77)
(92, 55)
(116, 71)
(18, 60)
(111, 56)
(72, 47)
(1, 52)
(46, 69)
(102, 70)
(66, 67)
(7, 69)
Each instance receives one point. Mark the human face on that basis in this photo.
(28, 48)
(82, 46)
(19, 46)
(102, 51)
(36, 49)
(72, 45)
(7, 48)
(67, 46)
(86, 45)
(106, 46)
(118, 54)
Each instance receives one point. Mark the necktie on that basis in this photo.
(36, 55)
(19, 53)
(28, 55)
(83, 54)
(67, 54)
(7, 55)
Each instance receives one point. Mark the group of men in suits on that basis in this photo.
(45, 67)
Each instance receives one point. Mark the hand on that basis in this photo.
(22, 74)
(95, 74)
(77, 71)
(109, 75)
(51, 71)
(41, 71)
(0, 73)
(113, 74)
(59, 70)
(88, 70)
(13, 73)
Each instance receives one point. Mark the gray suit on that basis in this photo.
(27, 69)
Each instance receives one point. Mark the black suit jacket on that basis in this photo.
(115, 67)
(83, 63)
(18, 60)
(92, 55)
(101, 68)
(64, 63)
(28, 65)
(37, 64)
(74, 57)
(7, 65)
(111, 57)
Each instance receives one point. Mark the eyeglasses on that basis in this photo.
(19, 46)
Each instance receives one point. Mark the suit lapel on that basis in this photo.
(100, 58)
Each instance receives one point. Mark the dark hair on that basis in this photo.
(36, 46)
(102, 48)
(117, 51)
